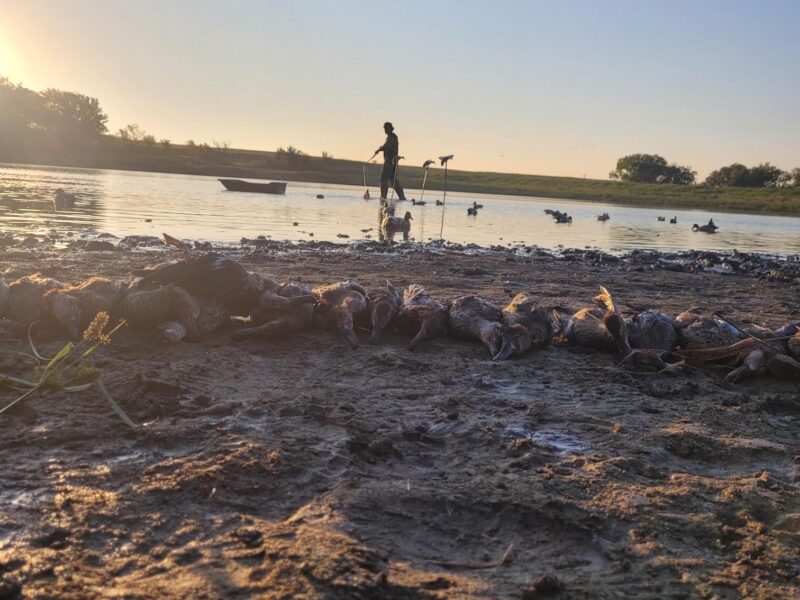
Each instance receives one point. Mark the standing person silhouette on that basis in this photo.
(391, 151)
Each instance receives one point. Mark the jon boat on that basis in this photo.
(238, 185)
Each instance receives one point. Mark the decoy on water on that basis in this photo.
(709, 227)
(673, 220)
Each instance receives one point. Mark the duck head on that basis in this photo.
(613, 320)
(343, 320)
(516, 340)
(408, 216)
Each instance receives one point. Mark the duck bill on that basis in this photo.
(505, 352)
(351, 337)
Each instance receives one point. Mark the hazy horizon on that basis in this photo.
(528, 88)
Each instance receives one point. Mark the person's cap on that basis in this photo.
(389, 125)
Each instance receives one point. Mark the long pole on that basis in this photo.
(444, 200)
(394, 176)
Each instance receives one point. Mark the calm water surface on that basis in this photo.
(199, 208)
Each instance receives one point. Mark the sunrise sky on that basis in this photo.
(555, 88)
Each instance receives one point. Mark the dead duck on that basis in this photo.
(384, 304)
(472, 317)
(338, 305)
(696, 331)
(25, 298)
(225, 280)
(652, 330)
(598, 328)
(392, 225)
(421, 316)
(528, 326)
(75, 307)
(271, 321)
(161, 307)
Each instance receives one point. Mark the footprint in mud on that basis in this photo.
(487, 382)
(561, 442)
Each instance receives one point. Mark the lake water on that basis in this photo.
(199, 208)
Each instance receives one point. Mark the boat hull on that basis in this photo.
(238, 185)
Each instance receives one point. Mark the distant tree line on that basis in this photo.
(652, 168)
(64, 114)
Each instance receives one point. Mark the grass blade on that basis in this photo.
(117, 408)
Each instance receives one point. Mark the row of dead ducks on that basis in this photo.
(198, 295)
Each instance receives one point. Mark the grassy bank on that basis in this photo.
(111, 153)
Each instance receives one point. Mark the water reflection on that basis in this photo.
(195, 207)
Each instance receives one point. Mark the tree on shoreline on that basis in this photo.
(651, 168)
(763, 175)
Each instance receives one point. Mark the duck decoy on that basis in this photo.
(439, 202)
(709, 227)
(421, 316)
(472, 211)
(415, 202)
(661, 218)
(603, 217)
(338, 305)
(673, 220)
(476, 206)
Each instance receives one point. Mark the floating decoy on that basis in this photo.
(673, 220)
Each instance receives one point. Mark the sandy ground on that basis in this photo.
(304, 469)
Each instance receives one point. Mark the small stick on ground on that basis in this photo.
(490, 565)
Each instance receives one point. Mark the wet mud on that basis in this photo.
(301, 468)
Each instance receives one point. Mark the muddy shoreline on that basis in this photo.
(301, 468)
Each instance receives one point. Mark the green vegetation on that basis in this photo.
(651, 168)
(65, 129)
